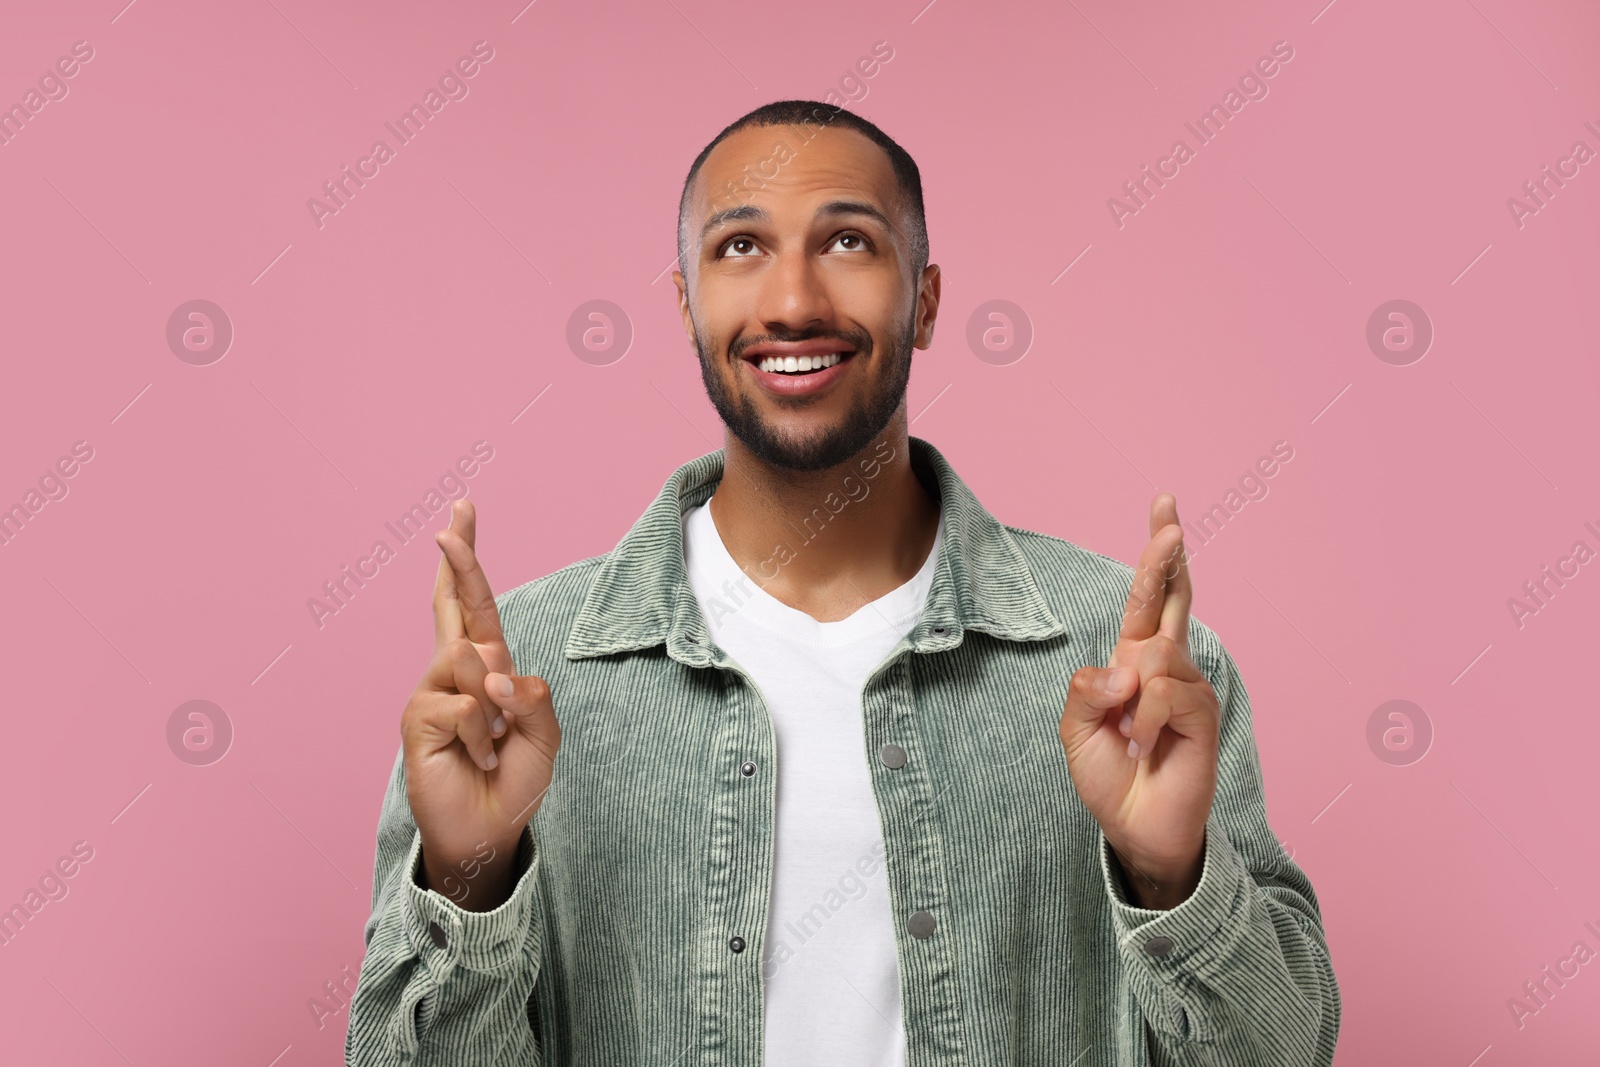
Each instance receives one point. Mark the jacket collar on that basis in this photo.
(640, 596)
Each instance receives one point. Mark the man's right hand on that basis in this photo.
(479, 742)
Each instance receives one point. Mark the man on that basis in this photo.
(822, 764)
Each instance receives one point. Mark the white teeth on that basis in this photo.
(794, 365)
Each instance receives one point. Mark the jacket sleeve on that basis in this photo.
(440, 984)
(1239, 973)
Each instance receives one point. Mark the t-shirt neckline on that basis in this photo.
(730, 592)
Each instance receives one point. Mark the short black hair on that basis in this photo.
(808, 113)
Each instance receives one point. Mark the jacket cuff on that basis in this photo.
(493, 949)
(445, 935)
(1167, 951)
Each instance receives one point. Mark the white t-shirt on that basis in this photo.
(832, 987)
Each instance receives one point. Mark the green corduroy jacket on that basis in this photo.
(652, 851)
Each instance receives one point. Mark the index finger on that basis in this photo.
(463, 602)
(1175, 569)
(447, 624)
(1159, 596)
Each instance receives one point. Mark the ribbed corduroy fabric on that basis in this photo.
(651, 851)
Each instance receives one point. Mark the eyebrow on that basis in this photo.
(833, 208)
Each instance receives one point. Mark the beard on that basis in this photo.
(830, 445)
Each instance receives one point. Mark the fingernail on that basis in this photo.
(491, 761)
(1133, 750)
(1126, 725)
(499, 725)
(503, 686)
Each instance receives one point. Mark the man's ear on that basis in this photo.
(683, 307)
(928, 305)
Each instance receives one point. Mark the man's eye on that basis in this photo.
(861, 243)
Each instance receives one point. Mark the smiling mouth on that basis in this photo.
(799, 365)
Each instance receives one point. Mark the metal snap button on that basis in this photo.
(893, 756)
(921, 925)
(737, 944)
(747, 768)
(1158, 946)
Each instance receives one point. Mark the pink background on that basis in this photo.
(369, 354)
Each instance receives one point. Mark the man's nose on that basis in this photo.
(794, 295)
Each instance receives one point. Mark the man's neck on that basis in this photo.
(827, 542)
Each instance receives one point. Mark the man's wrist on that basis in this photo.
(1159, 886)
(480, 881)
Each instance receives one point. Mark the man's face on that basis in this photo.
(813, 263)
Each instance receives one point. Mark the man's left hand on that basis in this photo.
(1142, 733)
